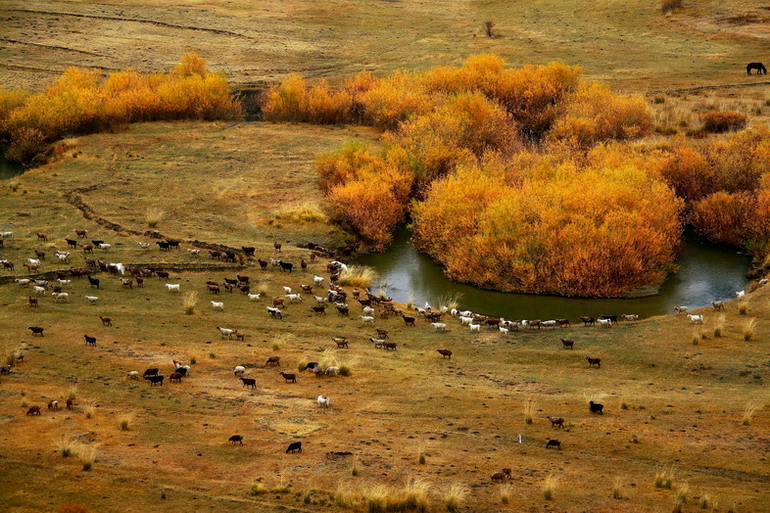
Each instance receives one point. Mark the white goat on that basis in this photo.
(294, 298)
(64, 282)
(318, 280)
(61, 297)
(366, 319)
(438, 326)
(225, 332)
(605, 322)
(39, 291)
(287, 290)
(475, 327)
(503, 330)
(368, 310)
(696, 319)
(144, 245)
(740, 294)
(466, 321)
(254, 297)
(120, 267)
(172, 287)
(133, 375)
(105, 246)
(194, 252)
(323, 401)
(239, 370)
(92, 299)
(6, 235)
(680, 310)
(630, 317)
(218, 305)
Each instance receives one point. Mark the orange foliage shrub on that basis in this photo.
(586, 232)
(292, 100)
(393, 100)
(716, 122)
(368, 193)
(82, 101)
(739, 219)
(466, 125)
(10, 100)
(596, 114)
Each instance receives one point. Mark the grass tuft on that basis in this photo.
(720, 326)
(189, 302)
(90, 410)
(454, 497)
(125, 421)
(153, 216)
(302, 212)
(664, 479)
(357, 276)
(749, 412)
(87, 456)
(617, 488)
(530, 408)
(506, 492)
(549, 486)
(65, 447)
(748, 329)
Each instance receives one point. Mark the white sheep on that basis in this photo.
(61, 297)
(105, 246)
(438, 326)
(503, 330)
(225, 332)
(39, 291)
(368, 310)
(287, 290)
(466, 321)
(318, 280)
(740, 294)
(320, 299)
(143, 245)
(630, 317)
(366, 319)
(92, 299)
(323, 401)
(23, 282)
(218, 305)
(680, 310)
(239, 370)
(120, 267)
(254, 297)
(133, 375)
(294, 298)
(332, 371)
(63, 256)
(605, 322)
(63, 282)
(548, 324)
(6, 235)
(172, 287)
(33, 261)
(475, 327)
(696, 319)
(194, 252)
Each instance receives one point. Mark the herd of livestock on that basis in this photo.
(318, 295)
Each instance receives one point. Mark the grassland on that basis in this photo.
(631, 45)
(670, 404)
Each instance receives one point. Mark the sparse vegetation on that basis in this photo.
(549, 486)
(87, 456)
(617, 488)
(125, 421)
(357, 276)
(454, 497)
(65, 446)
(530, 409)
(89, 409)
(189, 302)
(664, 479)
(749, 412)
(153, 216)
(720, 122)
(748, 329)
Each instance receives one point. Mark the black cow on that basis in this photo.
(294, 447)
(154, 379)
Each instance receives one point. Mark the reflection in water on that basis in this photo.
(706, 273)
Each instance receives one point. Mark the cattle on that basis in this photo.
(154, 380)
(294, 447)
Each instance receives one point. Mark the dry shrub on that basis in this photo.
(189, 302)
(87, 456)
(454, 497)
(549, 486)
(748, 329)
(153, 216)
(556, 236)
(292, 100)
(82, 101)
(595, 114)
(716, 122)
(357, 276)
(664, 479)
(749, 412)
(667, 6)
(530, 409)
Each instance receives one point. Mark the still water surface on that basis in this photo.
(706, 273)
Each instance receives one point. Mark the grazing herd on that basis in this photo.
(374, 308)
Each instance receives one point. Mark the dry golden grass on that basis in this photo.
(358, 276)
(529, 409)
(454, 497)
(549, 486)
(189, 302)
(153, 216)
(302, 212)
(749, 327)
(749, 412)
(86, 455)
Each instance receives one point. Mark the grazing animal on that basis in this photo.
(331, 371)
(104, 246)
(218, 305)
(382, 333)
(286, 266)
(718, 305)
(277, 246)
(438, 326)
(548, 324)
(563, 323)
(294, 298)
(163, 246)
(94, 282)
(740, 294)
(445, 353)
(90, 340)
(294, 447)
(175, 377)
(503, 476)
(553, 443)
(604, 322)
(53, 405)
(503, 330)
(236, 439)
(144, 245)
(36, 330)
(214, 289)
(63, 256)
(106, 321)
(568, 344)
(32, 301)
(154, 380)
(39, 291)
(34, 410)
(696, 319)
(254, 297)
(342, 342)
(262, 263)
(680, 310)
(323, 401)
(194, 252)
(273, 360)
(42, 236)
(70, 404)
(133, 375)
(630, 317)
(249, 382)
(342, 310)
(150, 372)
(475, 327)
(287, 289)
(366, 319)
(594, 361)
(279, 301)
(389, 346)
(275, 313)
(225, 332)
(556, 422)
(612, 318)
(761, 69)
(466, 321)
(81, 233)
(596, 407)
(172, 287)
(71, 243)
(409, 321)
(239, 370)
(289, 377)
(127, 283)
(318, 280)
(92, 299)
(162, 274)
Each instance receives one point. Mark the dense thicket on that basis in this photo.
(84, 101)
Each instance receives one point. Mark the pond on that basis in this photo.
(707, 272)
(8, 169)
